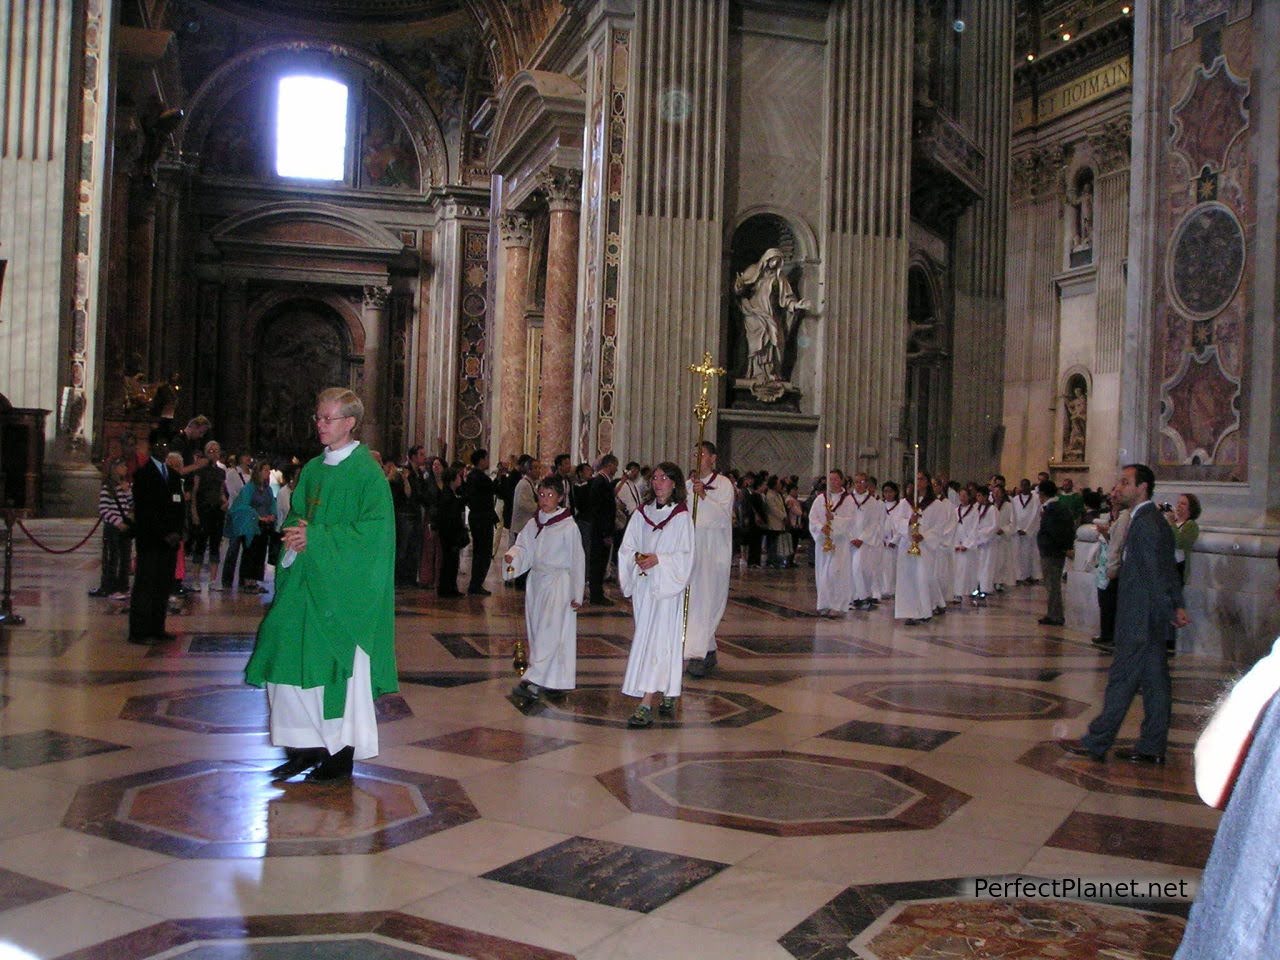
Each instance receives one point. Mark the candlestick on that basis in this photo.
(828, 459)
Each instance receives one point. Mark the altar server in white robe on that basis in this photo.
(987, 540)
(1003, 548)
(549, 549)
(864, 536)
(712, 560)
(964, 550)
(655, 562)
(894, 507)
(831, 524)
(914, 599)
(941, 546)
(1026, 524)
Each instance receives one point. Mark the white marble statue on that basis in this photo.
(769, 307)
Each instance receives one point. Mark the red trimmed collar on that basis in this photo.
(562, 515)
(679, 509)
(962, 512)
(844, 495)
(1024, 500)
(864, 500)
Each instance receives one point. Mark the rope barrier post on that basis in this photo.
(7, 616)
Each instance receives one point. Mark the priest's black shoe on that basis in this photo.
(297, 760)
(1134, 756)
(336, 766)
(1078, 749)
(480, 592)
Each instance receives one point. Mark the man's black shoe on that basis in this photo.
(601, 601)
(298, 760)
(1078, 749)
(144, 641)
(99, 592)
(1133, 756)
(449, 594)
(335, 767)
(480, 592)
(1051, 621)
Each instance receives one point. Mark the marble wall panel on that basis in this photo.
(1204, 255)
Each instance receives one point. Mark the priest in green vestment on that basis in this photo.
(326, 648)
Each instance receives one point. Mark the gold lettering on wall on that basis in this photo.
(1072, 95)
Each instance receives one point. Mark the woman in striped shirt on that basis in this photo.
(115, 507)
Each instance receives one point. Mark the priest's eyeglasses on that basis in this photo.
(319, 419)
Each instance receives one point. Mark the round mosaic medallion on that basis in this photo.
(1206, 260)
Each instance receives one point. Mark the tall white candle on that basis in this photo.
(915, 475)
(828, 459)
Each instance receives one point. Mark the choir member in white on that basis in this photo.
(914, 596)
(864, 534)
(964, 560)
(549, 549)
(1003, 548)
(831, 523)
(940, 545)
(893, 509)
(655, 562)
(712, 495)
(988, 528)
(1026, 524)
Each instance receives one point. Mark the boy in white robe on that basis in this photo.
(1026, 524)
(712, 560)
(831, 524)
(985, 540)
(964, 561)
(1003, 547)
(549, 549)
(864, 534)
(940, 546)
(894, 508)
(655, 562)
(914, 595)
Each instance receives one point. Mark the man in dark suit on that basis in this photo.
(482, 518)
(157, 500)
(603, 510)
(1148, 609)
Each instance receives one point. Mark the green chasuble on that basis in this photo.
(339, 593)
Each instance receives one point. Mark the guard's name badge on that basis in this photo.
(177, 498)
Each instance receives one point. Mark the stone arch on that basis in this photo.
(538, 127)
(246, 68)
(346, 309)
(806, 240)
(343, 227)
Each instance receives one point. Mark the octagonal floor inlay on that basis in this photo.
(963, 701)
(1173, 781)
(1063, 929)
(207, 809)
(782, 793)
(604, 705)
(227, 708)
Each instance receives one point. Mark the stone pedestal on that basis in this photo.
(564, 190)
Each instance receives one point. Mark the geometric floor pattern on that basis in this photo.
(832, 790)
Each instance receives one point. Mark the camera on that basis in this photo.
(1166, 507)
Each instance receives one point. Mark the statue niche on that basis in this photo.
(1075, 424)
(767, 311)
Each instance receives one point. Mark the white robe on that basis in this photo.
(1026, 524)
(712, 562)
(964, 562)
(557, 569)
(940, 546)
(867, 520)
(656, 662)
(832, 568)
(889, 555)
(988, 527)
(913, 595)
(1004, 545)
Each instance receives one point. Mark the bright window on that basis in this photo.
(311, 128)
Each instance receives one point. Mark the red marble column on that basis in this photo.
(516, 235)
(555, 429)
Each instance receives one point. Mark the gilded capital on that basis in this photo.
(563, 189)
(376, 297)
(1109, 144)
(515, 230)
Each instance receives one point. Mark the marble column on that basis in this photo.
(372, 385)
(555, 427)
(512, 378)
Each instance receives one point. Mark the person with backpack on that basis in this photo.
(1055, 538)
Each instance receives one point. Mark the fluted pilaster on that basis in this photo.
(868, 154)
(1110, 148)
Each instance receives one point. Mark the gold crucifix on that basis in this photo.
(708, 372)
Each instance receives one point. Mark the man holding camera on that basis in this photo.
(1149, 608)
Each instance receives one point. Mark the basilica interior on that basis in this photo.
(1002, 236)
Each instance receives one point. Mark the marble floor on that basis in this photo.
(834, 789)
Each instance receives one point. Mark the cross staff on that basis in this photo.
(708, 371)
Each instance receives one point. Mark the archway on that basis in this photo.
(302, 348)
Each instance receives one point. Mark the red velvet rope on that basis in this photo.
(30, 536)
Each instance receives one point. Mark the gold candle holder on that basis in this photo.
(914, 529)
(519, 659)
